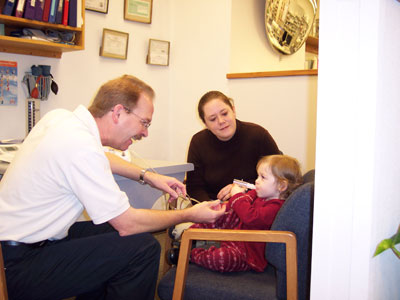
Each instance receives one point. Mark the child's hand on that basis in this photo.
(237, 189)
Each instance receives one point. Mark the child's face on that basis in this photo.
(266, 183)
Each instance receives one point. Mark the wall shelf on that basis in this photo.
(311, 72)
(311, 46)
(17, 45)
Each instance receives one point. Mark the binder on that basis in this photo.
(46, 10)
(39, 6)
(59, 13)
(73, 9)
(9, 6)
(19, 12)
(53, 10)
(29, 12)
(66, 12)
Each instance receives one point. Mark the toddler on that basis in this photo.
(278, 176)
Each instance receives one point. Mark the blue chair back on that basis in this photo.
(296, 215)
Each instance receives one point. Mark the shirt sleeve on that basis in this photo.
(254, 214)
(91, 180)
(195, 181)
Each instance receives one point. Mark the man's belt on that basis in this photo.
(18, 244)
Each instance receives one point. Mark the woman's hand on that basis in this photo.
(237, 189)
(225, 193)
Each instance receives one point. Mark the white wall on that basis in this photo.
(204, 42)
(200, 35)
(79, 74)
(250, 49)
(356, 200)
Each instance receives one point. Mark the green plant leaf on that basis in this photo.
(396, 237)
(384, 245)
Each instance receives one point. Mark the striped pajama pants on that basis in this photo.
(230, 256)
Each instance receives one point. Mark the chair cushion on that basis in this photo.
(296, 215)
(203, 284)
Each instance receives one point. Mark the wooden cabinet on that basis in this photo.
(39, 48)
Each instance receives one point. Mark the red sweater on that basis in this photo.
(254, 213)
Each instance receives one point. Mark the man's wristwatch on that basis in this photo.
(141, 176)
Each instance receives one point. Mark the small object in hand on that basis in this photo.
(244, 184)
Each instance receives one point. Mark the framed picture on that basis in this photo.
(114, 44)
(158, 53)
(97, 5)
(138, 10)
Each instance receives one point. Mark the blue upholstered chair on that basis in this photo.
(288, 253)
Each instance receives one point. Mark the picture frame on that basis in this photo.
(158, 52)
(114, 44)
(100, 6)
(138, 10)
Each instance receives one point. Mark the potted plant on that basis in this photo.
(389, 243)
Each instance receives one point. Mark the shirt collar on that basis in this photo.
(84, 115)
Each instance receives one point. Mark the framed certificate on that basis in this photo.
(158, 53)
(114, 44)
(138, 10)
(97, 5)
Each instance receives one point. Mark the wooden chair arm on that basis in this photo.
(3, 286)
(286, 237)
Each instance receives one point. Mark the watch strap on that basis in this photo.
(141, 176)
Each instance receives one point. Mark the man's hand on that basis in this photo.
(206, 212)
(170, 185)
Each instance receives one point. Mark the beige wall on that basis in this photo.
(200, 35)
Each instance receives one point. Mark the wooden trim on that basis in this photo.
(312, 44)
(286, 237)
(311, 72)
(3, 286)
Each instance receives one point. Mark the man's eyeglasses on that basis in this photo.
(146, 124)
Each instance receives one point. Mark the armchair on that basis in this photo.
(288, 253)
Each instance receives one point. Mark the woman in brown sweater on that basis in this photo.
(227, 149)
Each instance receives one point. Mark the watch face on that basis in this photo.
(288, 23)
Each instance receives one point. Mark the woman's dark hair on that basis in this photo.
(211, 95)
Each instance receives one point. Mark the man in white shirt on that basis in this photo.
(60, 170)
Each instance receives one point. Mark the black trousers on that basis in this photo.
(93, 262)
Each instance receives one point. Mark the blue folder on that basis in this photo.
(9, 7)
(53, 11)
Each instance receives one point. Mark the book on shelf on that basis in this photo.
(72, 16)
(46, 10)
(65, 12)
(59, 13)
(53, 11)
(29, 11)
(39, 6)
(9, 7)
(19, 11)
(79, 17)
